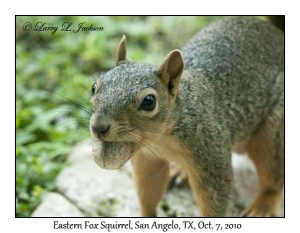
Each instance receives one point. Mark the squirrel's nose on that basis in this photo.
(101, 130)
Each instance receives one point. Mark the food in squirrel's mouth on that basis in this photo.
(111, 155)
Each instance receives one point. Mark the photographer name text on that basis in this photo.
(65, 27)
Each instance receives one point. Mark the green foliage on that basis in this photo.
(54, 75)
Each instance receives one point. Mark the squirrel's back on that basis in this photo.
(232, 42)
(241, 58)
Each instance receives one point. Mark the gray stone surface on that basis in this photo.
(99, 192)
(91, 191)
(56, 205)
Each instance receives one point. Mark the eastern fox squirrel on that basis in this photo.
(223, 91)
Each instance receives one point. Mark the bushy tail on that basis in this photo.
(277, 20)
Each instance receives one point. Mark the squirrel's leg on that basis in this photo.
(212, 185)
(266, 148)
(151, 178)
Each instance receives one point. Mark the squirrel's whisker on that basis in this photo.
(147, 146)
(163, 145)
(158, 157)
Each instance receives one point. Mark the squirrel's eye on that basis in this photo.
(94, 88)
(148, 103)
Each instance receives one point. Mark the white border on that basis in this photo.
(255, 7)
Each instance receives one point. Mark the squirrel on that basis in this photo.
(223, 92)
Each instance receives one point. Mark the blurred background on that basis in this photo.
(54, 76)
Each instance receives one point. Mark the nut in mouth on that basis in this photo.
(111, 155)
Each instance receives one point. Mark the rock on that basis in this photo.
(56, 205)
(99, 192)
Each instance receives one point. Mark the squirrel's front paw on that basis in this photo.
(259, 211)
(264, 206)
(178, 176)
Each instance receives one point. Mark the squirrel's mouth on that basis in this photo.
(111, 155)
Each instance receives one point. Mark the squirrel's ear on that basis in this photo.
(170, 71)
(121, 52)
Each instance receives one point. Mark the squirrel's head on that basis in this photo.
(131, 101)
